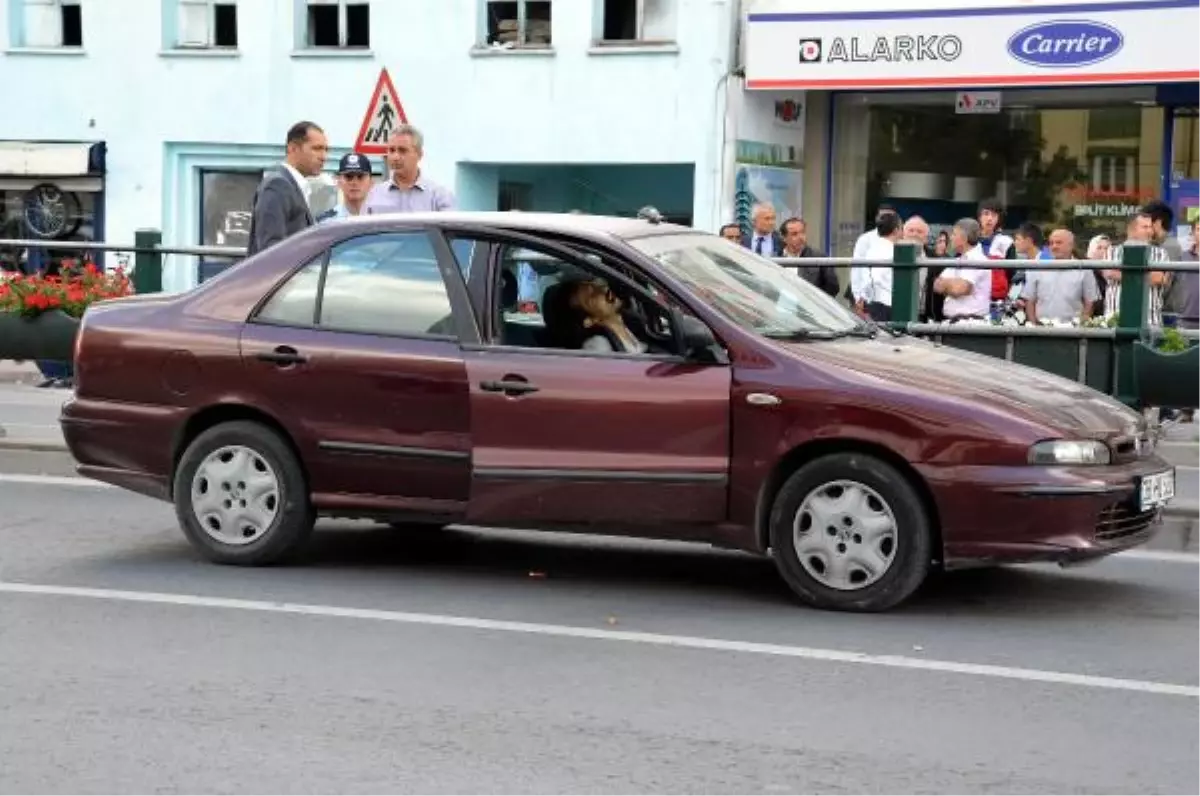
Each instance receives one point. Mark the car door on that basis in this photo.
(358, 354)
(573, 437)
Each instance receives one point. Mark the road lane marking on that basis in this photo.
(1171, 556)
(53, 480)
(624, 636)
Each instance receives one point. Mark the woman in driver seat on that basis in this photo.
(603, 325)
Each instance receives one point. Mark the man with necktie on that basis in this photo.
(763, 239)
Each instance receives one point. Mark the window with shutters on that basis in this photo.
(207, 23)
(49, 24)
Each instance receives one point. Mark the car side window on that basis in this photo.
(544, 301)
(387, 283)
(464, 253)
(295, 302)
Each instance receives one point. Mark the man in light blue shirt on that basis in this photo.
(408, 190)
(354, 180)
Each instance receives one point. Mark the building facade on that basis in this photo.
(1071, 113)
(163, 113)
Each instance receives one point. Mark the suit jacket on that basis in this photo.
(278, 211)
(748, 242)
(823, 276)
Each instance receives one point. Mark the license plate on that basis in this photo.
(1157, 489)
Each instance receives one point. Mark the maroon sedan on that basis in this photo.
(597, 375)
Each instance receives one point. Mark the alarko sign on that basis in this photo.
(992, 43)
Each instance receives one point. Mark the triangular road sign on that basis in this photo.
(384, 114)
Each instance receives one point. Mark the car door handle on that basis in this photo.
(508, 386)
(282, 355)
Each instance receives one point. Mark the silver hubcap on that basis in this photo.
(235, 495)
(845, 535)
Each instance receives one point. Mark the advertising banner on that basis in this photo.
(993, 43)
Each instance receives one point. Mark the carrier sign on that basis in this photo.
(1065, 43)
(948, 45)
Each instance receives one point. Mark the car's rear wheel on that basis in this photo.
(241, 496)
(849, 532)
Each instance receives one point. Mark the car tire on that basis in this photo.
(831, 540)
(241, 496)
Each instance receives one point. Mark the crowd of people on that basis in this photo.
(960, 278)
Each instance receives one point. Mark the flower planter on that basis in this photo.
(1167, 380)
(49, 335)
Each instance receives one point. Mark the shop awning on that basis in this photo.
(37, 159)
(870, 45)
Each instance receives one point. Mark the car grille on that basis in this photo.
(1120, 520)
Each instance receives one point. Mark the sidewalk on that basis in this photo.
(28, 415)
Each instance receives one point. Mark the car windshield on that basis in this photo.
(749, 290)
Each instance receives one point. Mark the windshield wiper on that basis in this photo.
(823, 334)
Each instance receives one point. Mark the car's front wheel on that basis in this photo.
(849, 532)
(241, 495)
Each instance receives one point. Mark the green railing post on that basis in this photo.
(904, 283)
(1135, 256)
(147, 265)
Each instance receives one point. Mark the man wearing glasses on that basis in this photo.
(354, 181)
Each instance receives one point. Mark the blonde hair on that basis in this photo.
(1094, 245)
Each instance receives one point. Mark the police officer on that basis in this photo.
(354, 181)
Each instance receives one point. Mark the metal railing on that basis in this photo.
(1106, 358)
(1095, 346)
(146, 271)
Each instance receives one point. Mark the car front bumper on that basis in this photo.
(1063, 514)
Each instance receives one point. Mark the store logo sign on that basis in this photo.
(1065, 43)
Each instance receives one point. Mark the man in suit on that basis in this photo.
(280, 207)
(763, 239)
(794, 232)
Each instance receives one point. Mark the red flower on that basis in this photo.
(71, 293)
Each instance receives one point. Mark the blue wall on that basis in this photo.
(617, 189)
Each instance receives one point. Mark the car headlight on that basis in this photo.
(1069, 451)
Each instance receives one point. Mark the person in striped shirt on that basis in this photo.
(1140, 229)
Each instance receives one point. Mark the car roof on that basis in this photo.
(565, 223)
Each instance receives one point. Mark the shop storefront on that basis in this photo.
(50, 191)
(1071, 114)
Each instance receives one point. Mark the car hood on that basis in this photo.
(955, 375)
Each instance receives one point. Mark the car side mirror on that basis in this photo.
(697, 339)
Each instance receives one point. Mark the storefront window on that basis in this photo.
(1080, 158)
(50, 209)
(226, 199)
(1185, 172)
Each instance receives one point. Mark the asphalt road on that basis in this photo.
(481, 661)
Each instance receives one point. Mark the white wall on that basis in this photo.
(573, 106)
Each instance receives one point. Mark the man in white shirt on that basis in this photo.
(871, 235)
(871, 285)
(967, 287)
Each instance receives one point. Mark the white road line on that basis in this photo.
(53, 480)
(629, 637)
(1172, 556)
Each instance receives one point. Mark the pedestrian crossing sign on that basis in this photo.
(384, 115)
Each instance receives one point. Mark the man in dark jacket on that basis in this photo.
(280, 207)
(794, 233)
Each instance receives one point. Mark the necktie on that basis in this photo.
(758, 245)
